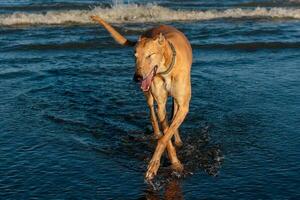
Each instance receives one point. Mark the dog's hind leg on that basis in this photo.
(177, 138)
(154, 122)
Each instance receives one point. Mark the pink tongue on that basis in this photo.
(146, 83)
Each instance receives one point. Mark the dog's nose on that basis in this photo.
(137, 78)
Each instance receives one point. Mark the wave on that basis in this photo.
(133, 13)
(45, 6)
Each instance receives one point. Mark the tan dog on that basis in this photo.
(163, 63)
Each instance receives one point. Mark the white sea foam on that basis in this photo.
(137, 14)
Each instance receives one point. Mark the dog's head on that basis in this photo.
(149, 55)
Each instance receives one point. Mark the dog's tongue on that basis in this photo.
(146, 83)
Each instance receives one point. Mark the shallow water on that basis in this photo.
(73, 124)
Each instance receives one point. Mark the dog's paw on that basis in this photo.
(152, 169)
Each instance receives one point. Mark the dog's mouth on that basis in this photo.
(146, 82)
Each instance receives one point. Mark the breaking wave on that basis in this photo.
(142, 13)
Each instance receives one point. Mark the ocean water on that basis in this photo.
(73, 125)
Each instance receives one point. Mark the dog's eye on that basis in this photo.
(150, 55)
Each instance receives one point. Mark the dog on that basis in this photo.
(163, 58)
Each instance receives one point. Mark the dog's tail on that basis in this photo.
(115, 34)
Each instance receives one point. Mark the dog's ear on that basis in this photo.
(161, 39)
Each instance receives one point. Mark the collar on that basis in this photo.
(172, 62)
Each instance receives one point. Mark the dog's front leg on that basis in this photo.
(154, 122)
(162, 143)
(162, 115)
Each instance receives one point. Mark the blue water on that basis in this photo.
(73, 125)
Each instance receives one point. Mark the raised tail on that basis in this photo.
(115, 34)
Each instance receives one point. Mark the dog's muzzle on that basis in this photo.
(145, 82)
(137, 78)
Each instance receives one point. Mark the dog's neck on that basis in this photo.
(168, 57)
